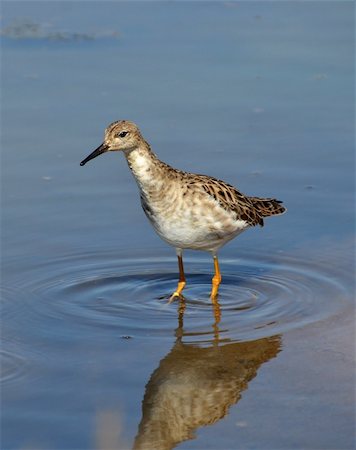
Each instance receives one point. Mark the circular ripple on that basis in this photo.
(258, 297)
(13, 366)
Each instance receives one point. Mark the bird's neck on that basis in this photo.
(147, 169)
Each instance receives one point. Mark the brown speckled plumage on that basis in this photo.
(250, 209)
(189, 211)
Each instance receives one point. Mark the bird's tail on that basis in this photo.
(268, 206)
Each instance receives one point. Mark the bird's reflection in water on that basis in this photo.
(194, 386)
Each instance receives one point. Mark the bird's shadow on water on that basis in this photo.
(195, 386)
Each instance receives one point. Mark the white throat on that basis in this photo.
(143, 164)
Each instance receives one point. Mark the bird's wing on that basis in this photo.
(230, 199)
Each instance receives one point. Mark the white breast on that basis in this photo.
(189, 228)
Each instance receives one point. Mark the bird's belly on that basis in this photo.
(196, 239)
(197, 232)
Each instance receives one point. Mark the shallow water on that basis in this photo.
(92, 355)
(259, 296)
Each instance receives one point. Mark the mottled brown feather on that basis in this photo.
(268, 206)
(250, 209)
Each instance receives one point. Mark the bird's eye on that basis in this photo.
(122, 134)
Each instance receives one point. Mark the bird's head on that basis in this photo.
(119, 136)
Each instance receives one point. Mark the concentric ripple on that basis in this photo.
(258, 296)
(12, 366)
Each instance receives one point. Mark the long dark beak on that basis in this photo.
(98, 151)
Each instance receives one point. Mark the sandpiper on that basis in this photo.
(187, 210)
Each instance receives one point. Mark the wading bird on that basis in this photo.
(187, 210)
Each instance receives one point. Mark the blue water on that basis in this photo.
(259, 94)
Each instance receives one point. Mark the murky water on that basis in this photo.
(92, 356)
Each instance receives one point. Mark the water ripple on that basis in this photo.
(12, 366)
(259, 297)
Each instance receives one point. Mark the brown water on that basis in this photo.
(92, 356)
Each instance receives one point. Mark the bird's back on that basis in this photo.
(250, 209)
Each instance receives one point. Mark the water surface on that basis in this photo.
(92, 356)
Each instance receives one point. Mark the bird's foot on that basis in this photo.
(174, 296)
(177, 293)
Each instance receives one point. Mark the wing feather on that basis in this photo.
(230, 199)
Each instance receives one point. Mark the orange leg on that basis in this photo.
(216, 280)
(181, 282)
